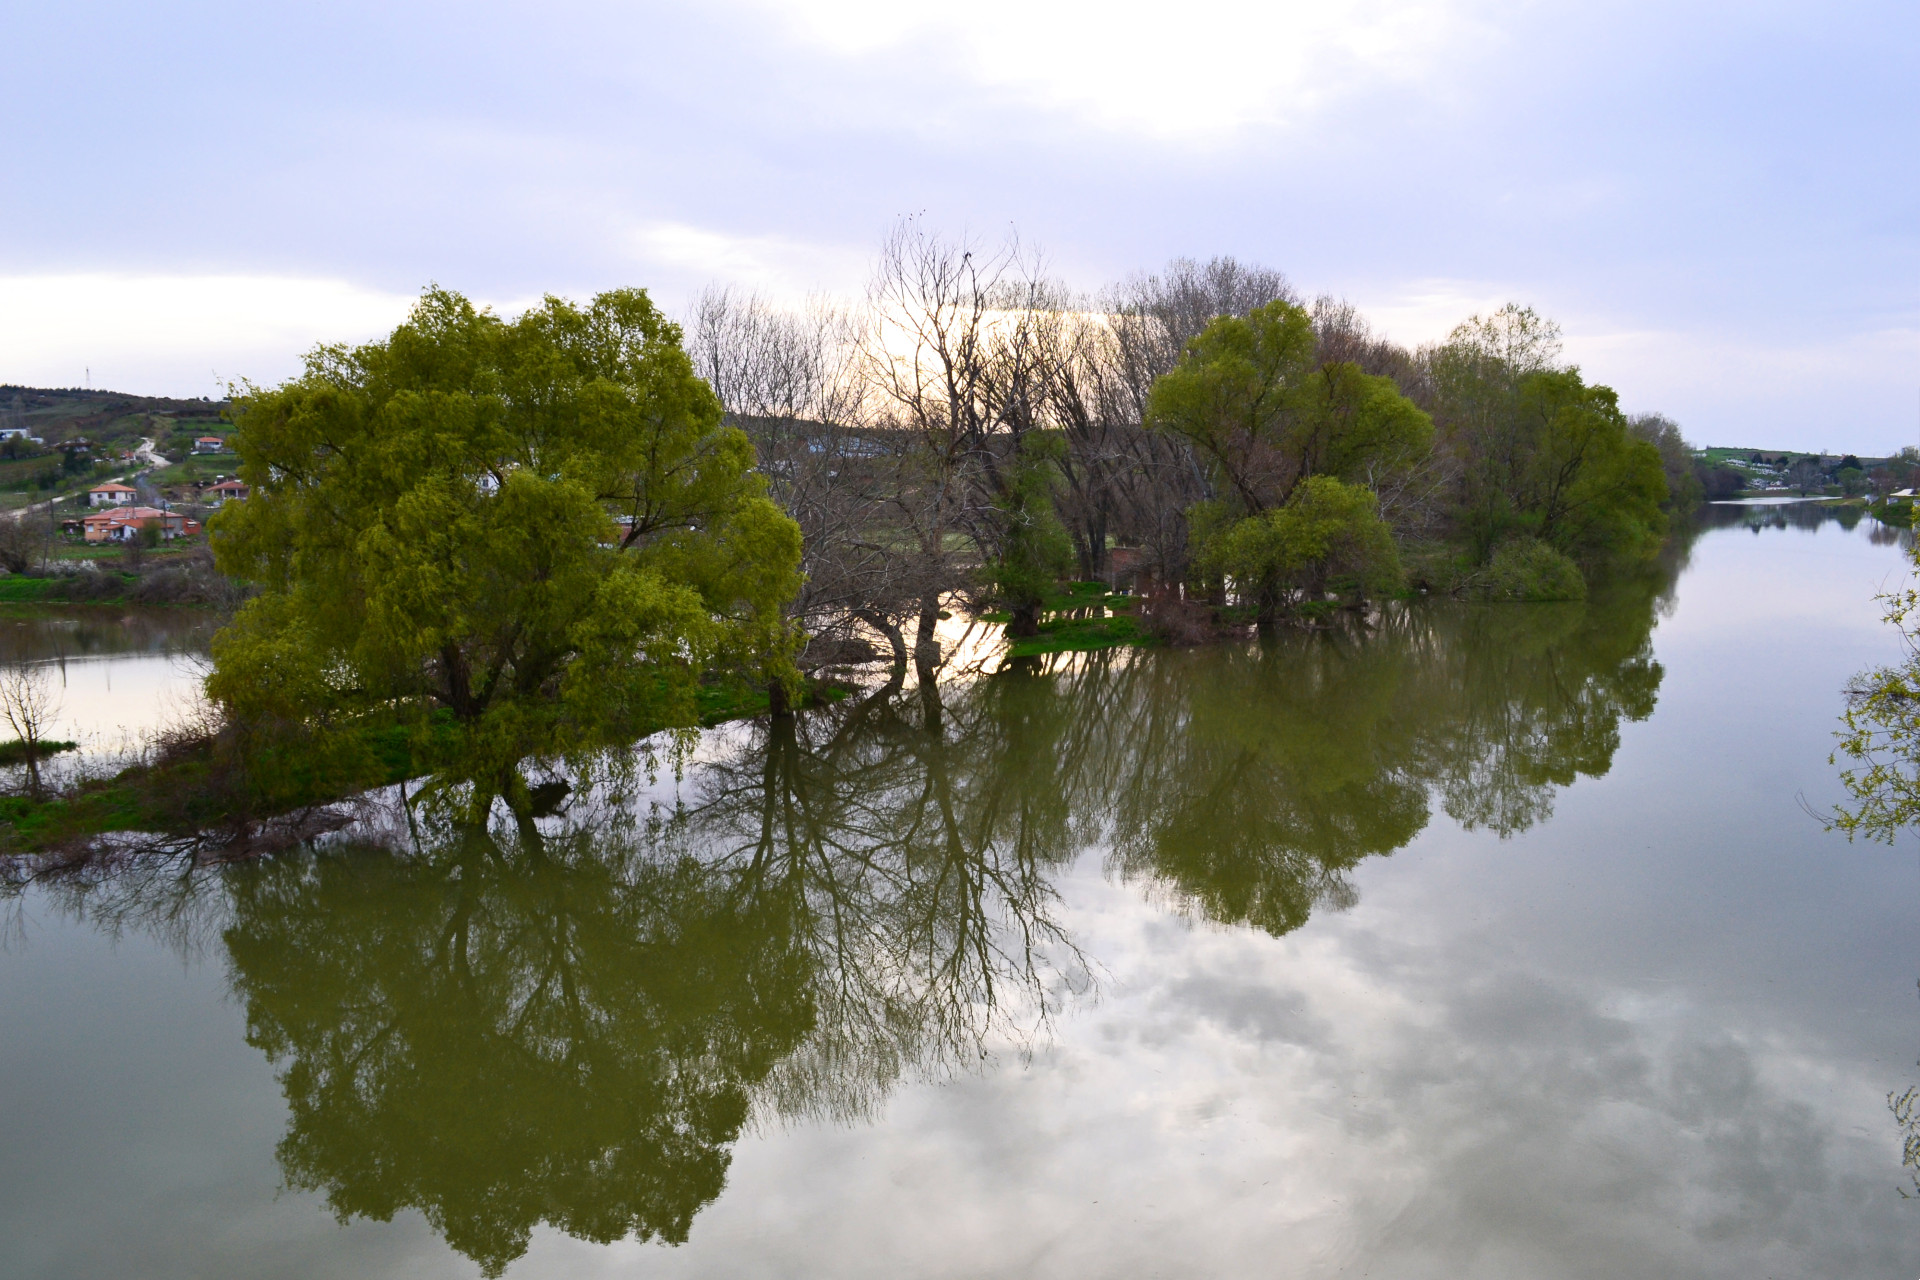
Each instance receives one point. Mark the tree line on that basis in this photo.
(972, 425)
(533, 537)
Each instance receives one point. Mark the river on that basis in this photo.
(1501, 941)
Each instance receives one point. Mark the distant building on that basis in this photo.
(209, 444)
(123, 524)
(111, 494)
(227, 489)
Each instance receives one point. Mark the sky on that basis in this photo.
(1717, 201)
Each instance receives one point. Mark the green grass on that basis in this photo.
(1895, 511)
(1081, 635)
(18, 590)
(196, 466)
(1106, 621)
(14, 751)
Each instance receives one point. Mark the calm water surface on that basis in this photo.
(1498, 943)
(120, 673)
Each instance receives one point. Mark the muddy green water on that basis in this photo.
(1498, 943)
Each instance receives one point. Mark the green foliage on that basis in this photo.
(1081, 635)
(1880, 734)
(1685, 486)
(433, 526)
(16, 751)
(1263, 414)
(1035, 550)
(102, 586)
(1329, 537)
(1540, 453)
(506, 1032)
(1529, 570)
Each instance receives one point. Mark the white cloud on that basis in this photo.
(177, 334)
(1424, 311)
(1204, 69)
(785, 268)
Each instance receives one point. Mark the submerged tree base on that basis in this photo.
(190, 792)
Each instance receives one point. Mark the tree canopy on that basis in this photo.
(1540, 453)
(537, 529)
(1263, 413)
(1292, 447)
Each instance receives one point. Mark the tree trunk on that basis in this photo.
(891, 630)
(926, 648)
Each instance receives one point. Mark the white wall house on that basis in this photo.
(111, 494)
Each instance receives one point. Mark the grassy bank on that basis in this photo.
(176, 578)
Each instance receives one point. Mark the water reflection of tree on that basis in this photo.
(509, 1030)
(572, 1020)
(1250, 783)
(1760, 516)
(572, 1026)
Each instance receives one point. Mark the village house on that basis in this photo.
(227, 489)
(124, 524)
(111, 494)
(209, 444)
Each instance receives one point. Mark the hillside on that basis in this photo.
(114, 421)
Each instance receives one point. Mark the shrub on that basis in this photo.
(1528, 569)
(1167, 616)
(1328, 538)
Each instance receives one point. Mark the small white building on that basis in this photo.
(111, 494)
(209, 444)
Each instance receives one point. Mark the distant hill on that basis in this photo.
(113, 420)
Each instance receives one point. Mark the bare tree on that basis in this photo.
(789, 379)
(944, 383)
(1122, 481)
(28, 704)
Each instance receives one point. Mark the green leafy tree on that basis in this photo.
(1035, 550)
(1685, 489)
(536, 531)
(1879, 737)
(1263, 414)
(1329, 537)
(1540, 454)
(1292, 448)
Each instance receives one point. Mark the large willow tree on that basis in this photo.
(530, 536)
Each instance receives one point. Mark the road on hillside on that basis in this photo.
(145, 455)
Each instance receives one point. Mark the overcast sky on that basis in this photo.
(1716, 200)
